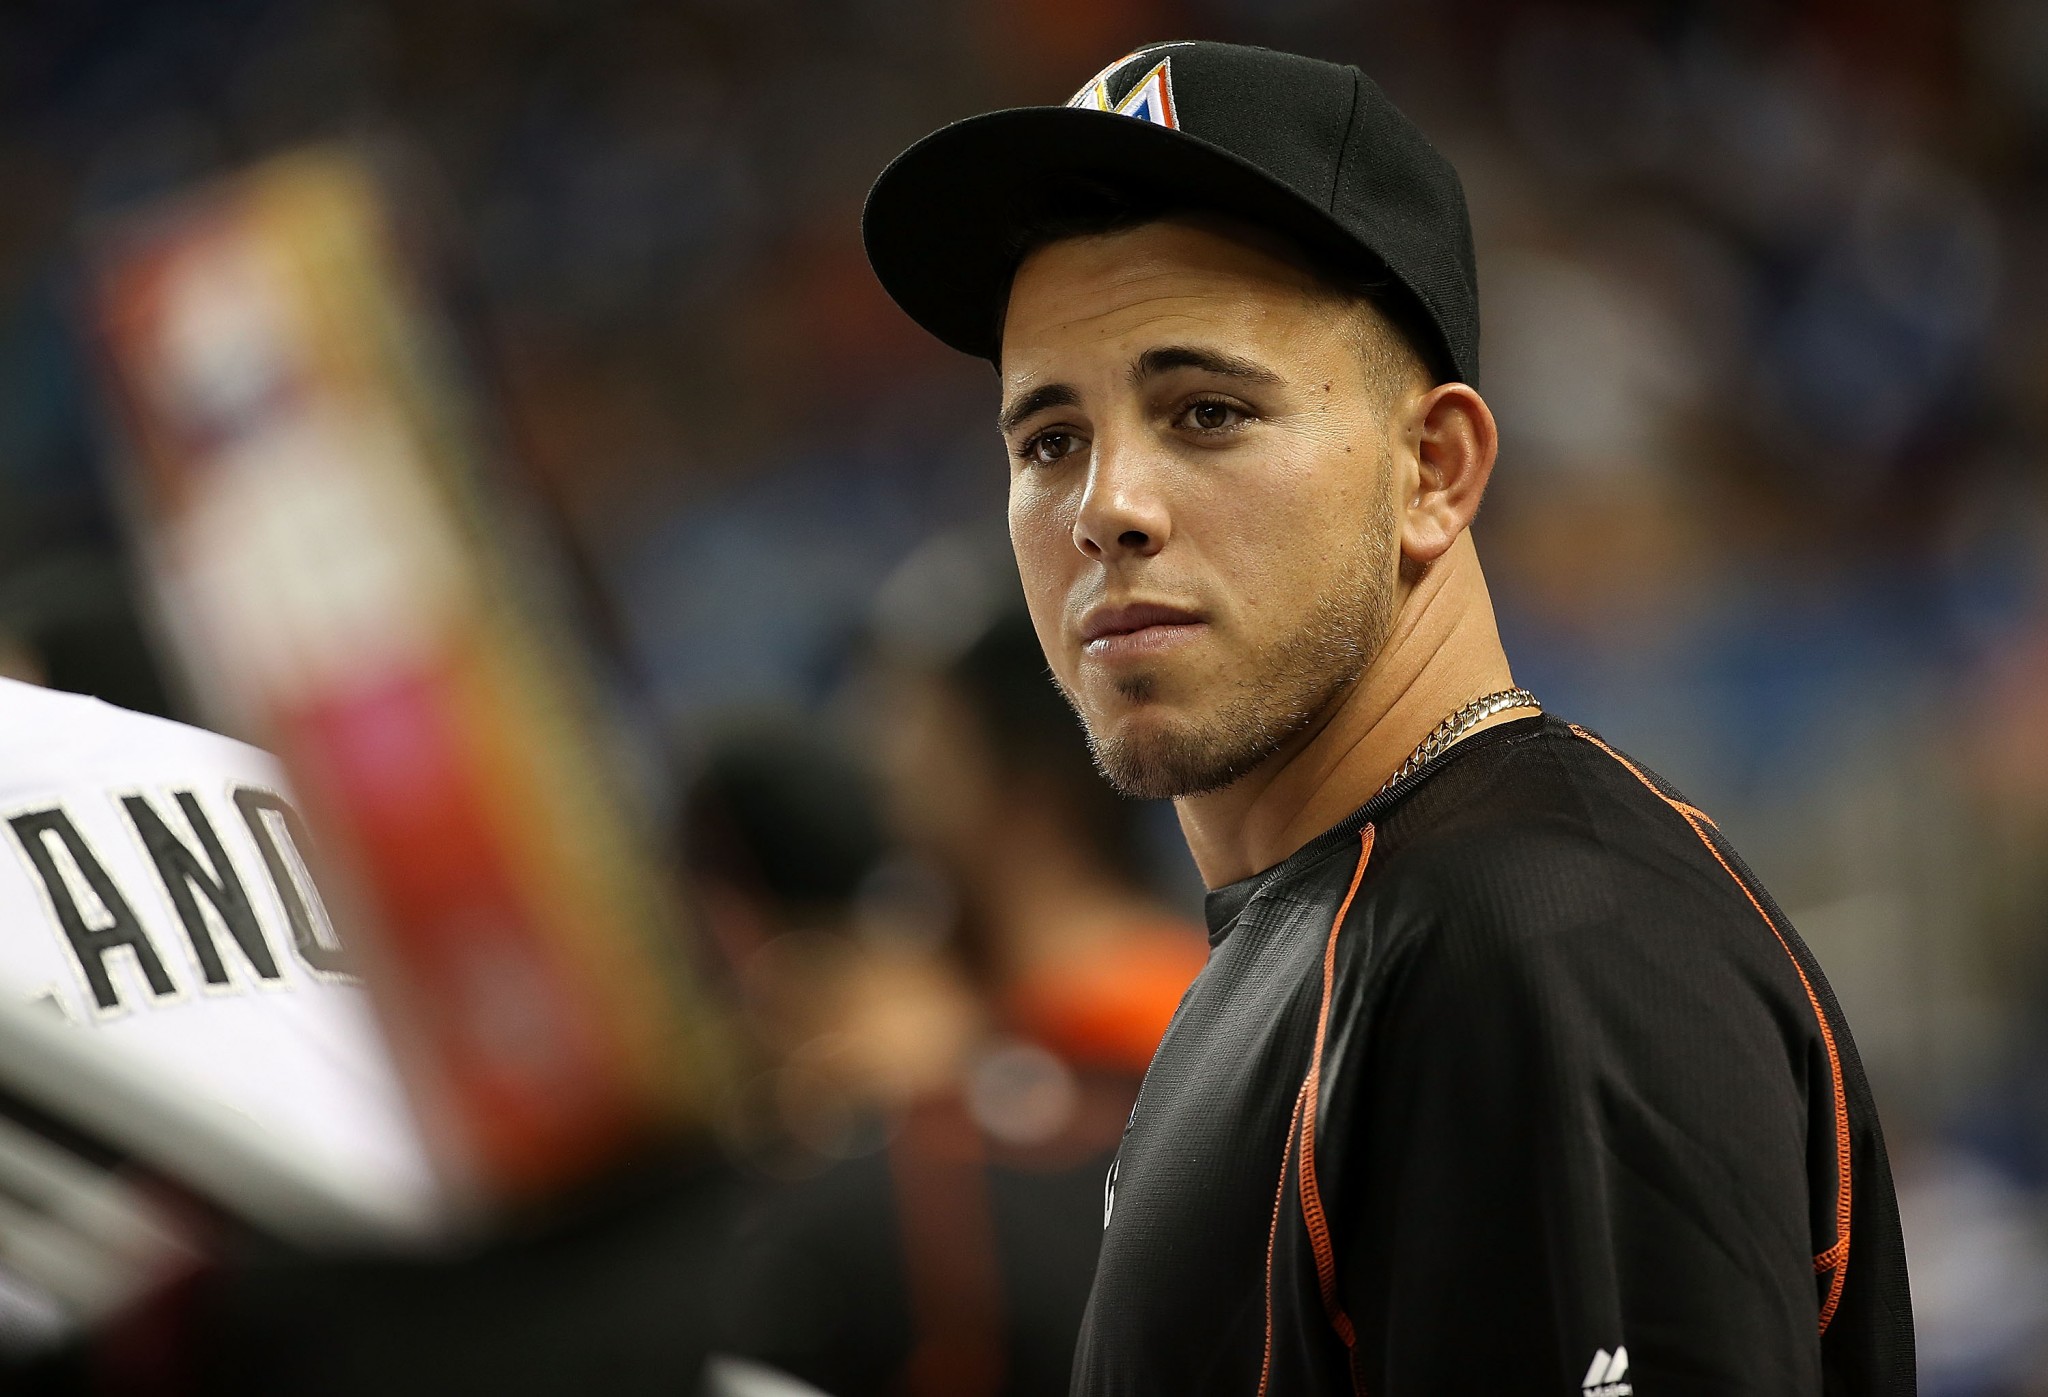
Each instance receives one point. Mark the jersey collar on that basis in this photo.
(1225, 905)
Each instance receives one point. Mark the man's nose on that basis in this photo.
(1123, 514)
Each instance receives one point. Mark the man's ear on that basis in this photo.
(1454, 443)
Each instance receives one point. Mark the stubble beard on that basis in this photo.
(1294, 684)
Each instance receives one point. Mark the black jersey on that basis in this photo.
(1513, 1083)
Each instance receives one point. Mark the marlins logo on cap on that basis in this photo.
(1151, 100)
(1311, 151)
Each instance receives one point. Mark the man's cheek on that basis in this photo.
(1278, 541)
(1044, 596)
(1046, 559)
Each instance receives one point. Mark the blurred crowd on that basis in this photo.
(1765, 288)
(955, 968)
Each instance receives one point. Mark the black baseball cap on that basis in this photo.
(1311, 150)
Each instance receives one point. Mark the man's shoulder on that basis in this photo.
(1539, 781)
(53, 739)
(1560, 849)
(1553, 800)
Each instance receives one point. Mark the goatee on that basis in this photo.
(1296, 682)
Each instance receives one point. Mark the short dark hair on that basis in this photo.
(779, 810)
(1030, 729)
(1078, 206)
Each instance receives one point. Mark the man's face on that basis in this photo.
(1201, 497)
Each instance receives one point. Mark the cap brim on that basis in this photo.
(941, 223)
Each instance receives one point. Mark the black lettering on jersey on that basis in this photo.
(299, 898)
(90, 944)
(188, 873)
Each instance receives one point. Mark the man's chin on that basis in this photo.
(1155, 755)
(1133, 713)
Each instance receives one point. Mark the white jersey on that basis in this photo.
(154, 891)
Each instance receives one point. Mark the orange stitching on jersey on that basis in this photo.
(1312, 1215)
(1691, 812)
(1272, 1236)
(1835, 1259)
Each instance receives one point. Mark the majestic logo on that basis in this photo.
(1116, 1163)
(1604, 1378)
(1151, 100)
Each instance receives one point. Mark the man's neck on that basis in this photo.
(1442, 653)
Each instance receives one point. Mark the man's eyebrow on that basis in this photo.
(1037, 400)
(1166, 358)
(1150, 364)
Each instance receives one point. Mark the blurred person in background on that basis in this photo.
(158, 902)
(236, 1198)
(989, 779)
(852, 1012)
(157, 899)
(957, 1260)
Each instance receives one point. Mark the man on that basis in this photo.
(1503, 1076)
(157, 897)
(156, 913)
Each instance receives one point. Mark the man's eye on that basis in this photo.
(1048, 447)
(1212, 416)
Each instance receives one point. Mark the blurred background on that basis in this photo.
(1765, 291)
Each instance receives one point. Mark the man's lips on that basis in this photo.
(1136, 628)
